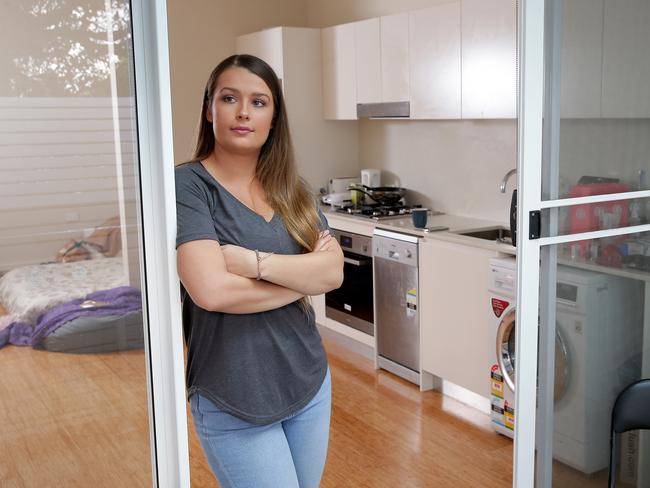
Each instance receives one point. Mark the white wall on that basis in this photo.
(452, 166)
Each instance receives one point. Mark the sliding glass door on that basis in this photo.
(583, 325)
(90, 341)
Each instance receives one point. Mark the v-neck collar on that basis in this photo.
(233, 197)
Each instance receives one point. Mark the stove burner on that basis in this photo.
(377, 211)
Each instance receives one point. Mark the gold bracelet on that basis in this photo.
(259, 260)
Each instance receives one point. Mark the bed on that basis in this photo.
(81, 307)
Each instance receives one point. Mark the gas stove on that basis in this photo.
(378, 212)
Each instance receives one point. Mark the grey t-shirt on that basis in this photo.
(260, 367)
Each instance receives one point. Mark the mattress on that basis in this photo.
(96, 334)
(28, 291)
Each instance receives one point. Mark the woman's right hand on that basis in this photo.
(323, 242)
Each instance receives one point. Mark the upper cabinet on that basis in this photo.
(434, 62)
(605, 69)
(581, 53)
(381, 50)
(394, 39)
(339, 72)
(489, 59)
(450, 61)
(368, 60)
(626, 59)
(266, 45)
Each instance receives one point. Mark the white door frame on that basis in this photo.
(529, 162)
(160, 286)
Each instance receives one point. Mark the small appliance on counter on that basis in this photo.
(342, 184)
(371, 177)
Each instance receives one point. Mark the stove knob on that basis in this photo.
(409, 255)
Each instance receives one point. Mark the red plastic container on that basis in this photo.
(593, 216)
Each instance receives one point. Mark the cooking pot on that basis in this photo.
(384, 195)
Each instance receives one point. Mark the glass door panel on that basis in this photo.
(598, 103)
(599, 323)
(72, 338)
(593, 329)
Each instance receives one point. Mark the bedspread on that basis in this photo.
(29, 291)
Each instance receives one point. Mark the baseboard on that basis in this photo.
(466, 396)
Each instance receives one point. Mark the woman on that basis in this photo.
(252, 246)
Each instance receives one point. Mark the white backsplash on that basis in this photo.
(452, 166)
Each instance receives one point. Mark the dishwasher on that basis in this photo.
(397, 319)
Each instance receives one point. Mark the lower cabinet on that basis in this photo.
(454, 313)
(318, 302)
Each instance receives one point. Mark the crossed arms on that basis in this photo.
(223, 278)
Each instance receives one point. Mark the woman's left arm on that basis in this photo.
(311, 273)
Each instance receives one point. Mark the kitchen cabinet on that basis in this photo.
(267, 45)
(322, 149)
(626, 59)
(581, 54)
(339, 73)
(454, 308)
(394, 38)
(435, 62)
(489, 59)
(318, 302)
(365, 62)
(368, 60)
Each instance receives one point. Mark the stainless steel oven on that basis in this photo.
(352, 303)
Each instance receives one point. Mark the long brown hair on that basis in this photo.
(286, 192)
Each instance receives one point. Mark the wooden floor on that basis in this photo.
(81, 420)
(73, 420)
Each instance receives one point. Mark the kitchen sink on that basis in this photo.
(499, 234)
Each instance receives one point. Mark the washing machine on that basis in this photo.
(502, 288)
(599, 317)
(598, 351)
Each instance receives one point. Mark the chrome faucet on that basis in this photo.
(504, 181)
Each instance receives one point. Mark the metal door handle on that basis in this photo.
(356, 262)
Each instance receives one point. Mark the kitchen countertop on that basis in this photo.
(404, 225)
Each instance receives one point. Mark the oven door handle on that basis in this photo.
(357, 262)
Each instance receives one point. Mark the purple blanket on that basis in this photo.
(116, 301)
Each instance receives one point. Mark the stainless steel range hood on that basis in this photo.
(383, 110)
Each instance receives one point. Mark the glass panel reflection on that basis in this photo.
(74, 399)
(601, 326)
(590, 217)
(604, 110)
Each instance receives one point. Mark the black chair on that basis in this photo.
(631, 411)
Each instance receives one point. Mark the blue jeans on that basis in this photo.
(289, 453)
